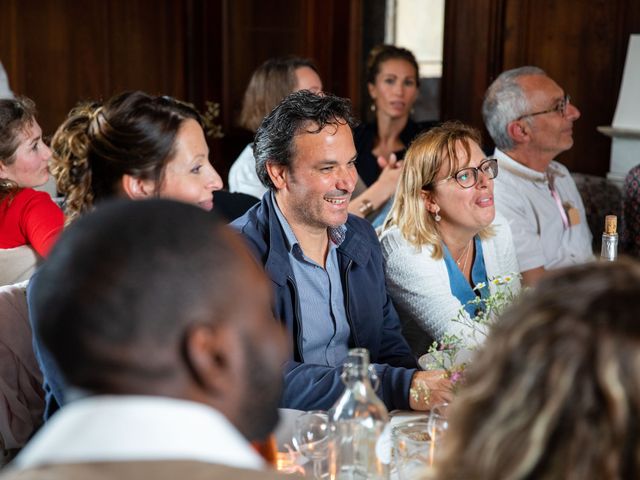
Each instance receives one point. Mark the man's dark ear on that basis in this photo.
(208, 355)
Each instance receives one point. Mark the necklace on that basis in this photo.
(464, 254)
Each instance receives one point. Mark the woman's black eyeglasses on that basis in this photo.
(467, 177)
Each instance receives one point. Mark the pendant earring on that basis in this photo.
(373, 107)
(437, 216)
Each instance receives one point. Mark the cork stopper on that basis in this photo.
(610, 224)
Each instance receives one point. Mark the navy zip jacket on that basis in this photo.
(372, 318)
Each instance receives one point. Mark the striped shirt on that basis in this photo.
(325, 330)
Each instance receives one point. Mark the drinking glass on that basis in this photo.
(412, 449)
(438, 426)
(311, 438)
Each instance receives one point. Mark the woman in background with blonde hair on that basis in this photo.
(442, 242)
(555, 393)
(270, 83)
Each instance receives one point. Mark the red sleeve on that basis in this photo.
(41, 221)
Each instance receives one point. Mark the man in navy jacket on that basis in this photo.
(325, 265)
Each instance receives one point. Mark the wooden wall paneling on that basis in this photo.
(319, 41)
(354, 68)
(253, 32)
(204, 62)
(372, 20)
(64, 51)
(472, 36)
(334, 41)
(147, 46)
(576, 44)
(57, 59)
(9, 39)
(257, 31)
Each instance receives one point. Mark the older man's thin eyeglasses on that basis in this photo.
(468, 177)
(561, 108)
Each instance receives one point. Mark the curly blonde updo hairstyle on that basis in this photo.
(131, 134)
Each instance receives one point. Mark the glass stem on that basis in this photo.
(317, 472)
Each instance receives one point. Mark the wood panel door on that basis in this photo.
(581, 44)
(249, 32)
(60, 52)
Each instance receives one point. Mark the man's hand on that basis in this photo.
(428, 389)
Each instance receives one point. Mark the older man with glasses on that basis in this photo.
(530, 119)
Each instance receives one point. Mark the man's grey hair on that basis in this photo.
(504, 102)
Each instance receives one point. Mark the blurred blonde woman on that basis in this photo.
(270, 83)
(441, 241)
(555, 392)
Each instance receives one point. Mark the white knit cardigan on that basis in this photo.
(420, 288)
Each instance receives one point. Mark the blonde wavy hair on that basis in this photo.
(426, 156)
(269, 84)
(555, 392)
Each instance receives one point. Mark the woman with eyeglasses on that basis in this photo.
(442, 242)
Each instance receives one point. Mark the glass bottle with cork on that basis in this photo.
(609, 251)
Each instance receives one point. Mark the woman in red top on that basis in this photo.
(27, 216)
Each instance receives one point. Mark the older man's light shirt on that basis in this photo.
(523, 196)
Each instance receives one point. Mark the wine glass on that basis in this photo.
(311, 438)
(412, 449)
(438, 426)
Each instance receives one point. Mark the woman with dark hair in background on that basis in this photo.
(27, 217)
(393, 79)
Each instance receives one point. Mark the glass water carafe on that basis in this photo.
(357, 421)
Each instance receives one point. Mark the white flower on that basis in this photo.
(443, 354)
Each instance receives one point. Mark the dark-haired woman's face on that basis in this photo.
(395, 89)
(31, 165)
(189, 177)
